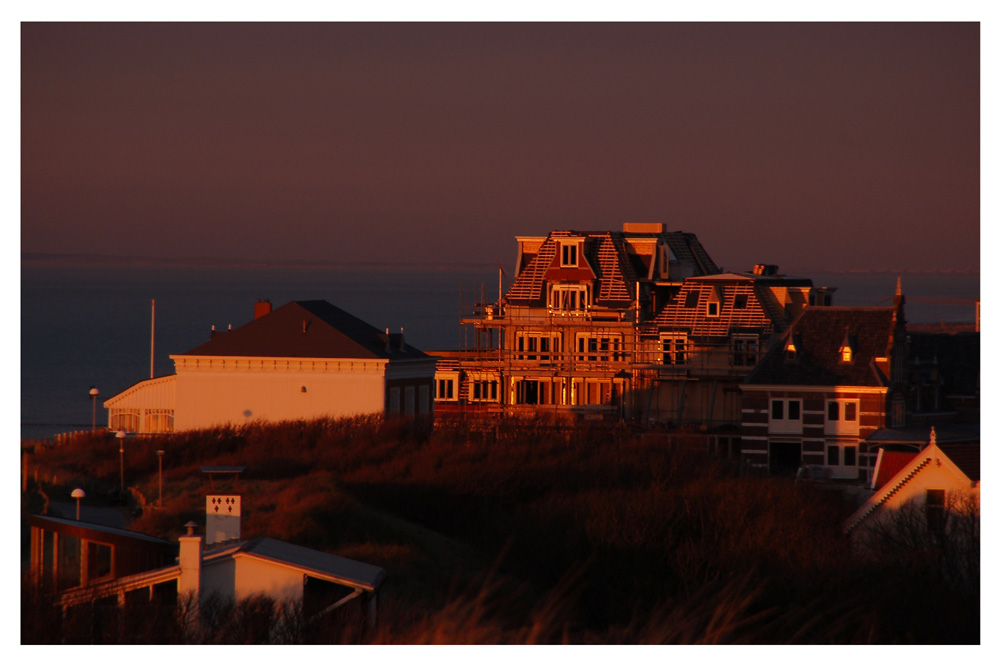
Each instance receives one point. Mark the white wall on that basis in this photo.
(214, 391)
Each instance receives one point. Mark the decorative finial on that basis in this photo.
(933, 436)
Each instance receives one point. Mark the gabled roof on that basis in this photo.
(888, 464)
(967, 454)
(307, 329)
(312, 562)
(819, 331)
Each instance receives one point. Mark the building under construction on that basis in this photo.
(639, 325)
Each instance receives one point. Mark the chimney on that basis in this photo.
(261, 308)
(765, 269)
(190, 562)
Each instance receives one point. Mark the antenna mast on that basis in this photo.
(152, 338)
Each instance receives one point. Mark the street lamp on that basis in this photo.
(121, 451)
(78, 494)
(93, 398)
(159, 501)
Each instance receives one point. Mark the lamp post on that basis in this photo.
(159, 501)
(93, 398)
(121, 451)
(78, 494)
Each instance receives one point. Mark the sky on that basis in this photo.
(808, 145)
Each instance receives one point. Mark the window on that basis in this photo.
(692, 299)
(674, 349)
(446, 388)
(484, 390)
(531, 391)
(934, 506)
(569, 252)
(537, 346)
(842, 417)
(842, 460)
(159, 420)
(846, 354)
(424, 400)
(786, 416)
(599, 348)
(569, 297)
(791, 351)
(713, 309)
(744, 351)
(125, 419)
(740, 301)
(410, 397)
(393, 401)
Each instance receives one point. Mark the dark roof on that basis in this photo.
(957, 357)
(307, 329)
(819, 333)
(965, 456)
(329, 566)
(759, 311)
(920, 435)
(97, 532)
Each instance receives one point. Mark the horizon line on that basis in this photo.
(89, 259)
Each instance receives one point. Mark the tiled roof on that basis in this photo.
(614, 268)
(529, 282)
(890, 462)
(306, 329)
(819, 332)
(758, 312)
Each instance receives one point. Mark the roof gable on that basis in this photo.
(307, 329)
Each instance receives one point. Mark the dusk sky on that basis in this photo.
(811, 146)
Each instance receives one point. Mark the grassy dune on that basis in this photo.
(522, 531)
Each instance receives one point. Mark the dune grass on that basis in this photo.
(523, 531)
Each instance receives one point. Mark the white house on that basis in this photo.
(936, 480)
(306, 359)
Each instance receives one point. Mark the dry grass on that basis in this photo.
(524, 532)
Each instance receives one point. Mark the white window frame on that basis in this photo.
(569, 254)
(784, 424)
(841, 458)
(840, 425)
(446, 387)
(569, 298)
(544, 347)
(600, 347)
(484, 388)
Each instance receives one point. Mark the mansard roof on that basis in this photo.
(760, 311)
(307, 329)
(819, 332)
(607, 261)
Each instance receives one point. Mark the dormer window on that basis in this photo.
(713, 309)
(569, 258)
(791, 351)
(846, 350)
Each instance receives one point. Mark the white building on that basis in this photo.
(306, 359)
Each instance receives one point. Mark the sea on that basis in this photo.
(91, 325)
